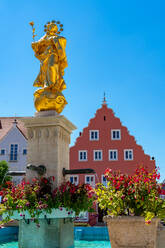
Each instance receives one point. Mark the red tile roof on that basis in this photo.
(6, 123)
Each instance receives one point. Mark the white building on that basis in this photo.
(13, 144)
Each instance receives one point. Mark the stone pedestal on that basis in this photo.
(59, 233)
(48, 144)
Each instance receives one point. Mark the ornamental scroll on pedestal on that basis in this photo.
(50, 50)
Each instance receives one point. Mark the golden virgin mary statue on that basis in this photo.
(50, 50)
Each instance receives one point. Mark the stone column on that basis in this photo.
(48, 144)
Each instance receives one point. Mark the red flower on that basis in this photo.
(88, 187)
(108, 171)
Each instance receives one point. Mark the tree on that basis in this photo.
(3, 173)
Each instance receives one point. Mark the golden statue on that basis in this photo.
(50, 50)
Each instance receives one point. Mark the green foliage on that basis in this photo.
(40, 195)
(3, 171)
(136, 195)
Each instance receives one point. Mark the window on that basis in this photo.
(128, 154)
(82, 155)
(24, 151)
(113, 155)
(13, 152)
(74, 179)
(115, 134)
(104, 180)
(94, 134)
(97, 155)
(162, 196)
(2, 152)
(90, 180)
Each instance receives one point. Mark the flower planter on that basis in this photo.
(56, 213)
(131, 232)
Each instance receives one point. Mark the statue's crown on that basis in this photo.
(50, 25)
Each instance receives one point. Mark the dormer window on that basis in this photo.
(115, 134)
(94, 134)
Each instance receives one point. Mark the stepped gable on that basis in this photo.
(6, 123)
(105, 120)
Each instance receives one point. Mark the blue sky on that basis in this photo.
(112, 46)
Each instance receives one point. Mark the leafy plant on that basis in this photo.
(40, 195)
(136, 195)
(3, 173)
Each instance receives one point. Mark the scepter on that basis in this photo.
(33, 29)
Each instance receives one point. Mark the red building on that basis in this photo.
(106, 143)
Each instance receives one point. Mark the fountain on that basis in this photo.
(48, 157)
(48, 141)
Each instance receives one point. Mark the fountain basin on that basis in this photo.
(55, 213)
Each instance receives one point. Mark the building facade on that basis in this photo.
(13, 144)
(106, 143)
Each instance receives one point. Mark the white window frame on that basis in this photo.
(162, 196)
(1, 152)
(112, 159)
(115, 130)
(75, 176)
(102, 181)
(91, 176)
(90, 134)
(82, 158)
(128, 150)
(94, 151)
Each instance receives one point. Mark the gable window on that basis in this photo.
(113, 155)
(13, 152)
(74, 179)
(128, 154)
(103, 180)
(115, 134)
(97, 154)
(2, 152)
(94, 134)
(83, 155)
(90, 180)
(24, 151)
